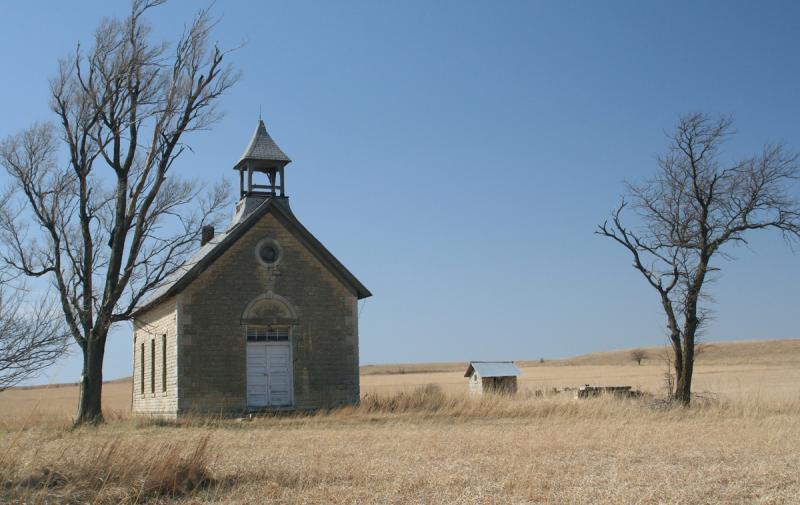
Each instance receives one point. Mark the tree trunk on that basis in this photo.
(91, 386)
(683, 387)
(683, 384)
(675, 341)
(677, 362)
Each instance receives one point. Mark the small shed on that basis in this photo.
(492, 377)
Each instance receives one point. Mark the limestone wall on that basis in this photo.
(212, 316)
(155, 333)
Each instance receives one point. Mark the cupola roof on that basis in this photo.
(262, 153)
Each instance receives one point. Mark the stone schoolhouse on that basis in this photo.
(261, 317)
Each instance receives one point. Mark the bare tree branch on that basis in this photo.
(689, 211)
(32, 336)
(114, 222)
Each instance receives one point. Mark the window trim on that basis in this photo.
(274, 243)
(268, 333)
(141, 368)
(164, 363)
(153, 366)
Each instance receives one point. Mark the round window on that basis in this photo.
(268, 252)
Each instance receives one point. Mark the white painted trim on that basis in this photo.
(290, 346)
(269, 295)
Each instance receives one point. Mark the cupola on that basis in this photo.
(262, 156)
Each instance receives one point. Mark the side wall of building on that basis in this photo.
(503, 385)
(322, 314)
(155, 350)
(475, 384)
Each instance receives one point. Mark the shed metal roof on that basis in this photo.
(493, 369)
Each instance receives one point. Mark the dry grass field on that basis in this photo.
(413, 443)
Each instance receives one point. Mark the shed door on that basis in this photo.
(269, 371)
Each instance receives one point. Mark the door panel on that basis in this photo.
(269, 374)
(257, 375)
(279, 366)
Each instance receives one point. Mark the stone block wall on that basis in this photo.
(212, 319)
(149, 394)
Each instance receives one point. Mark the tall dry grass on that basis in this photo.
(423, 446)
(733, 370)
(430, 401)
(115, 470)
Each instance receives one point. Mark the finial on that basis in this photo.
(259, 112)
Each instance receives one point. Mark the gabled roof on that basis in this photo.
(212, 250)
(262, 149)
(493, 369)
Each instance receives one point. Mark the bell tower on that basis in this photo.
(261, 168)
(262, 156)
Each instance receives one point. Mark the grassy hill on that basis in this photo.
(772, 352)
(726, 367)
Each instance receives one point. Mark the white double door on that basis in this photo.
(269, 374)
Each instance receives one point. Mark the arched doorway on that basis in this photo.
(267, 323)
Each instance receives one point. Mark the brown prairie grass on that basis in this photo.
(411, 442)
(117, 469)
(731, 369)
(425, 446)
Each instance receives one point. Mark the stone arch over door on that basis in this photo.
(269, 308)
(267, 323)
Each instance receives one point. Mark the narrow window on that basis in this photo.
(153, 366)
(164, 363)
(141, 369)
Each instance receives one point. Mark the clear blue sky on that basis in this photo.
(456, 156)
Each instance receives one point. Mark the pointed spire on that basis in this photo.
(262, 153)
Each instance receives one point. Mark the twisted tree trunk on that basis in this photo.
(91, 385)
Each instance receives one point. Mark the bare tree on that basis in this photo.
(638, 355)
(32, 336)
(690, 211)
(113, 222)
